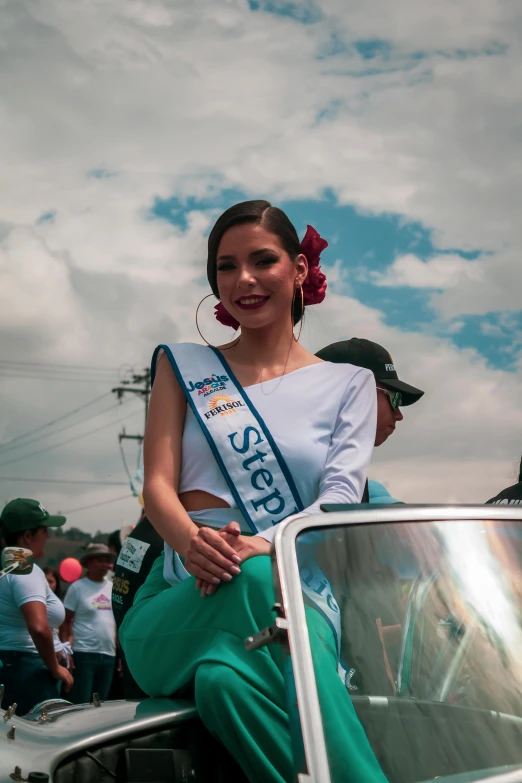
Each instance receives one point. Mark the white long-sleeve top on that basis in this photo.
(323, 419)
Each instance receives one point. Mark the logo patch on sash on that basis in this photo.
(208, 385)
(223, 405)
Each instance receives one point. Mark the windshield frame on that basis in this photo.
(287, 585)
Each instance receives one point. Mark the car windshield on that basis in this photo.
(430, 640)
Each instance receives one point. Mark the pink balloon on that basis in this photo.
(70, 569)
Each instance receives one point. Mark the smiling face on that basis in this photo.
(256, 277)
(387, 418)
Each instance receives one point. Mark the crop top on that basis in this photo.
(323, 419)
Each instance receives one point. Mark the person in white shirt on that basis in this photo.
(89, 626)
(29, 610)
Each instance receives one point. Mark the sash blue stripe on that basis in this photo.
(312, 603)
(179, 378)
(273, 445)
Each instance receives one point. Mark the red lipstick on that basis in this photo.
(251, 302)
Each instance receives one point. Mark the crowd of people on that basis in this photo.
(54, 641)
(238, 438)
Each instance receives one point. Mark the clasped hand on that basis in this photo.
(214, 556)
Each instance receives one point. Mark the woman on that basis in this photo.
(228, 452)
(29, 611)
(53, 580)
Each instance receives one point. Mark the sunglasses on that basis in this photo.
(394, 397)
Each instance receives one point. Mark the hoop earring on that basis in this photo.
(201, 334)
(197, 325)
(302, 314)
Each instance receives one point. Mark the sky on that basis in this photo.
(127, 126)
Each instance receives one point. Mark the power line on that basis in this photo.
(65, 481)
(95, 505)
(60, 429)
(47, 371)
(69, 440)
(55, 421)
(60, 378)
(52, 372)
(13, 362)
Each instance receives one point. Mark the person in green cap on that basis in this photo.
(29, 610)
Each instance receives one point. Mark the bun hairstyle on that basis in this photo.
(260, 213)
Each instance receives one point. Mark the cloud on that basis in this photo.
(461, 441)
(489, 286)
(441, 272)
(108, 107)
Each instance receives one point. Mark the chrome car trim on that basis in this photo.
(515, 776)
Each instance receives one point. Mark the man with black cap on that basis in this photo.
(392, 394)
(511, 496)
(384, 605)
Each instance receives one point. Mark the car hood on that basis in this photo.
(42, 744)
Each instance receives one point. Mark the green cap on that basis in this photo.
(23, 514)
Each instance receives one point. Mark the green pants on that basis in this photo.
(172, 637)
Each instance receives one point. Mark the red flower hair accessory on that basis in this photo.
(314, 287)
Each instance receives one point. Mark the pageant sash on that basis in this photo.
(318, 592)
(244, 449)
(249, 459)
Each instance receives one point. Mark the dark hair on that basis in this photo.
(56, 574)
(261, 213)
(114, 540)
(10, 538)
(520, 470)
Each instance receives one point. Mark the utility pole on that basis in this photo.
(138, 384)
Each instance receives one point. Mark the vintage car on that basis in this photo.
(430, 601)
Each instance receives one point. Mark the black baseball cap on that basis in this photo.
(365, 353)
(511, 496)
(24, 514)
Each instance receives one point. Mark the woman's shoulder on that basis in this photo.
(176, 347)
(74, 587)
(33, 583)
(181, 351)
(188, 346)
(179, 356)
(332, 381)
(36, 574)
(347, 374)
